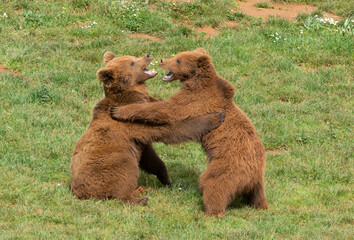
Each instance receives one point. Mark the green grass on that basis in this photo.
(263, 5)
(298, 93)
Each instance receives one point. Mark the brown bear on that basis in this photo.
(106, 158)
(236, 154)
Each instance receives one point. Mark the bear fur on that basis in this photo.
(236, 154)
(105, 162)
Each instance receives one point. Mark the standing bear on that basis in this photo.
(105, 162)
(236, 154)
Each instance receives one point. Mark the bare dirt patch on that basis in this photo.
(146, 36)
(209, 31)
(5, 70)
(20, 11)
(286, 11)
(276, 151)
(188, 1)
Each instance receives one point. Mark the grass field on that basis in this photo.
(293, 79)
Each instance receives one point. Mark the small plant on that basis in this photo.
(277, 38)
(317, 23)
(263, 5)
(89, 25)
(348, 26)
(32, 19)
(41, 95)
(237, 16)
(120, 9)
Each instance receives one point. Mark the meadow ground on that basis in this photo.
(294, 79)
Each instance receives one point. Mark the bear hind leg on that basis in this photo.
(256, 198)
(215, 201)
(126, 188)
(216, 196)
(151, 163)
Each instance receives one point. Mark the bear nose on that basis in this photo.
(148, 55)
(161, 60)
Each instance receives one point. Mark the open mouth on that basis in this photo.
(150, 72)
(168, 77)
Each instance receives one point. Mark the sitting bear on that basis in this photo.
(105, 162)
(236, 154)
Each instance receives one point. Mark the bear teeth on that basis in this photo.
(150, 72)
(168, 76)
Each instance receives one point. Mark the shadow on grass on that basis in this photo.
(186, 178)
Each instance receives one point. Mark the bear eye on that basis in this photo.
(178, 61)
(132, 63)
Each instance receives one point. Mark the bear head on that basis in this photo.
(195, 70)
(185, 65)
(125, 73)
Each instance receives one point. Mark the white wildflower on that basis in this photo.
(5, 15)
(134, 15)
(123, 31)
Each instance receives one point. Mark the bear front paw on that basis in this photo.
(115, 114)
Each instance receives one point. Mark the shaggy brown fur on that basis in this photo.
(237, 157)
(105, 160)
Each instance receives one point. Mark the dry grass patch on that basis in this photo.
(276, 151)
(146, 36)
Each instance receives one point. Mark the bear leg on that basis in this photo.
(215, 199)
(256, 197)
(151, 163)
(126, 188)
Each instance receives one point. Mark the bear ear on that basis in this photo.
(108, 56)
(204, 61)
(200, 50)
(105, 75)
